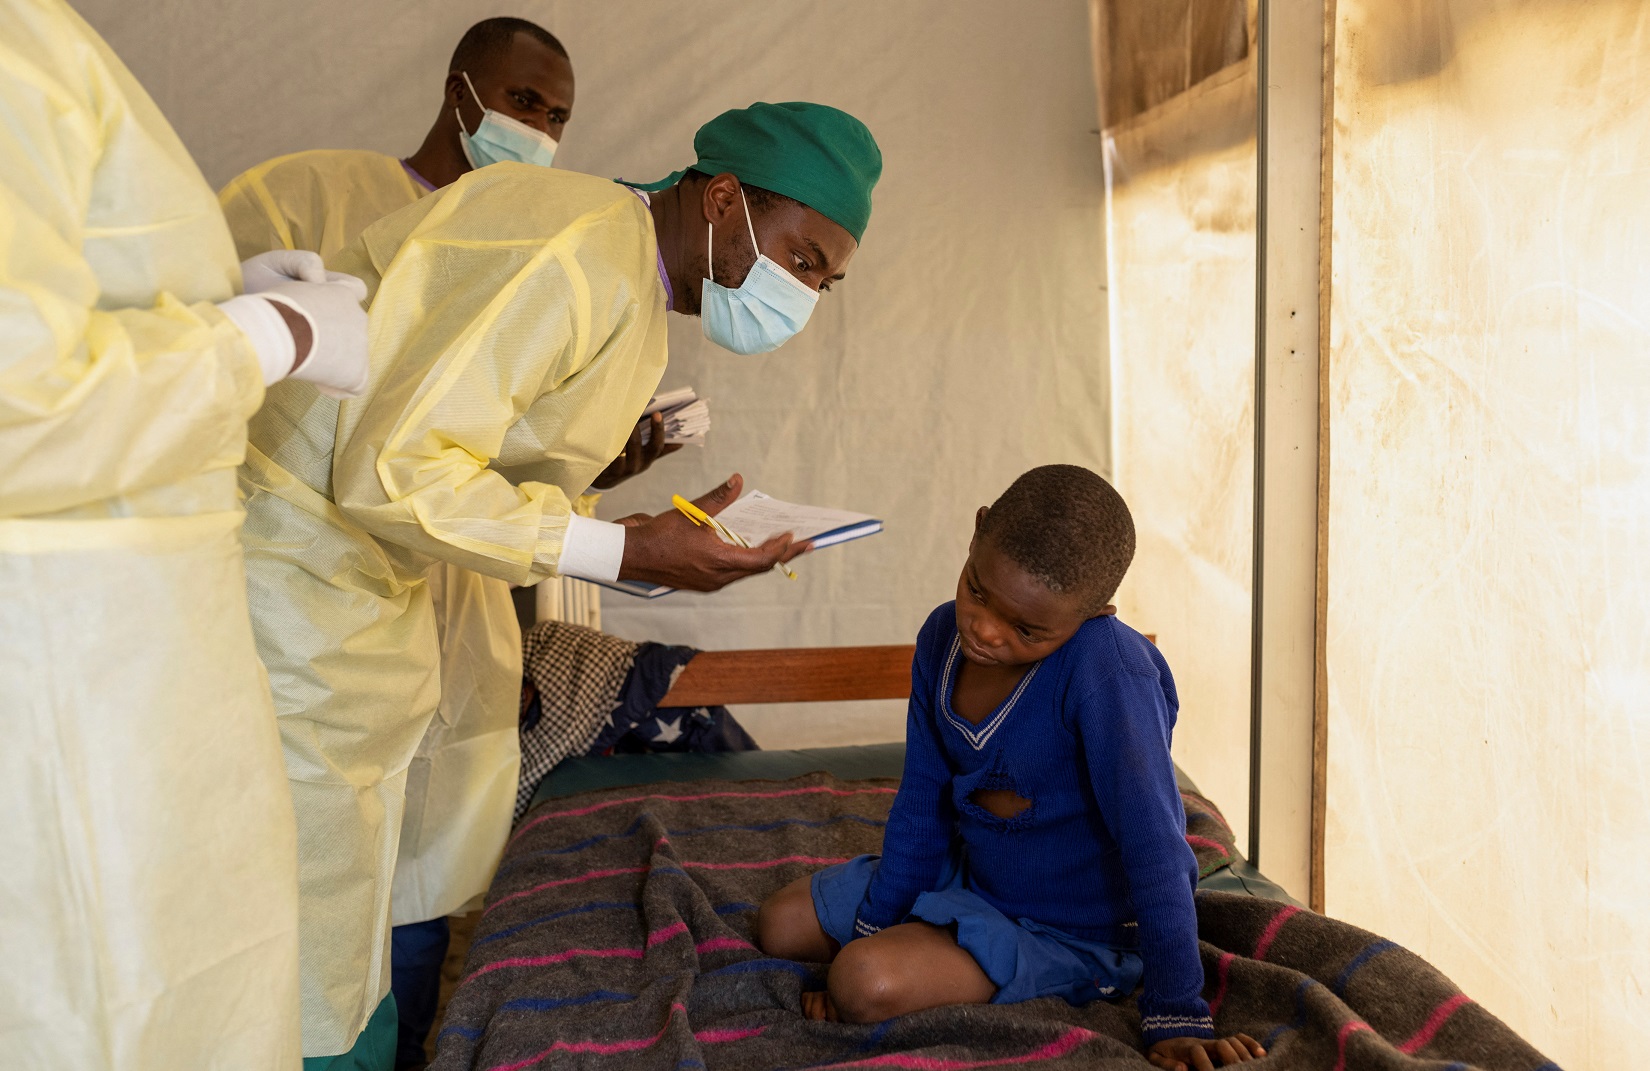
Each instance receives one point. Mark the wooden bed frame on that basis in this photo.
(795, 675)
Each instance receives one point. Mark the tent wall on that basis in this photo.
(1180, 216)
(1149, 54)
(1489, 521)
(967, 344)
(1486, 649)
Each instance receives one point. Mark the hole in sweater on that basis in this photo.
(1002, 802)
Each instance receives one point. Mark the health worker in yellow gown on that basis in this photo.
(517, 332)
(148, 898)
(508, 95)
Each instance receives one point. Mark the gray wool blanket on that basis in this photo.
(618, 935)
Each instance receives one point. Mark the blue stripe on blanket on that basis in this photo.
(599, 905)
(1298, 1021)
(753, 966)
(1358, 961)
(544, 1004)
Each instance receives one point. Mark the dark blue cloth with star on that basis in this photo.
(639, 724)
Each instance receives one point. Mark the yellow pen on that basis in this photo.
(692, 512)
(705, 520)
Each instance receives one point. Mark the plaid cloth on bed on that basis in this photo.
(575, 673)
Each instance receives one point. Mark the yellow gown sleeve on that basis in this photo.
(516, 333)
(255, 220)
(117, 372)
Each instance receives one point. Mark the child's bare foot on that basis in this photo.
(818, 1007)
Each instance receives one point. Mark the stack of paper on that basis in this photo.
(758, 518)
(687, 417)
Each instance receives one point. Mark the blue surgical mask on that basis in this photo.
(500, 137)
(769, 307)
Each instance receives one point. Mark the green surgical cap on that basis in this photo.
(818, 155)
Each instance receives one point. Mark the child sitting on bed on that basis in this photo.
(1037, 845)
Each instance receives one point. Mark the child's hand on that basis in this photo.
(1200, 1054)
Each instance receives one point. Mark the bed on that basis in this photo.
(617, 930)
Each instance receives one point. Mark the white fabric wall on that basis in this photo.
(1181, 244)
(1489, 658)
(967, 344)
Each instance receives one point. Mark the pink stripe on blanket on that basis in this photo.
(765, 863)
(1222, 970)
(665, 933)
(1270, 934)
(559, 957)
(1437, 1019)
(1340, 1040)
(590, 876)
(811, 791)
(1204, 842)
(712, 1037)
(913, 1062)
(610, 1048)
(659, 936)
(759, 864)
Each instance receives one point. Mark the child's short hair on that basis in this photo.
(1068, 528)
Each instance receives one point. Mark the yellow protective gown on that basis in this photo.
(461, 786)
(148, 899)
(320, 200)
(517, 331)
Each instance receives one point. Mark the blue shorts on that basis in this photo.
(1023, 959)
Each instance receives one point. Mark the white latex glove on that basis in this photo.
(279, 266)
(337, 361)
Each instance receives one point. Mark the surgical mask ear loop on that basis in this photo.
(459, 112)
(710, 235)
(748, 224)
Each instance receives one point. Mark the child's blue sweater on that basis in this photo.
(1102, 848)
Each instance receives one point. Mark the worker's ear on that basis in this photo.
(454, 91)
(720, 200)
(979, 518)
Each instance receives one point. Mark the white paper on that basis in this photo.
(759, 517)
(686, 417)
(670, 399)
